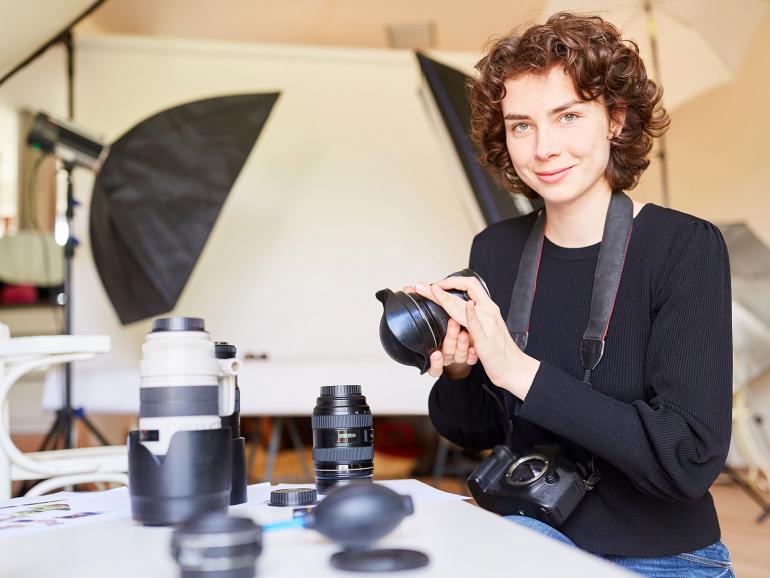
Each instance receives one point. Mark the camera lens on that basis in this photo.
(412, 327)
(180, 460)
(343, 437)
(215, 545)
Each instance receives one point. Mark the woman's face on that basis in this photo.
(558, 144)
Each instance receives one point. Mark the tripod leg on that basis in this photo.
(256, 439)
(51, 437)
(91, 427)
(746, 487)
(272, 451)
(299, 448)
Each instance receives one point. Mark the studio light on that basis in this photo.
(69, 143)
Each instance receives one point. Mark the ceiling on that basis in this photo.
(457, 24)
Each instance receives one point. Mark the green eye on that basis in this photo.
(520, 127)
(569, 117)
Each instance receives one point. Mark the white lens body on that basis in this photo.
(184, 359)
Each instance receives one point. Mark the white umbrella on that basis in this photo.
(700, 44)
(689, 46)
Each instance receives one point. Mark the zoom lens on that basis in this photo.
(343, 437)
(412, 327)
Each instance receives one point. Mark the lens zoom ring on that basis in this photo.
(178, 401)
(347, 420)
(343, 454)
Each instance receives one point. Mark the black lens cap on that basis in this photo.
(293, 497)
(177, 324)
(381, 560)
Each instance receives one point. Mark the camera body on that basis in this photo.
(542, 484)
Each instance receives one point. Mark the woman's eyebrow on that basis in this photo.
(557, 110)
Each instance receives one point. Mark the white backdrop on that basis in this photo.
(348, 190)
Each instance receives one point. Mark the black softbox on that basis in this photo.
(448, 90)
(158, 195)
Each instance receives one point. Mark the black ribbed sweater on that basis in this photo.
(658, 414)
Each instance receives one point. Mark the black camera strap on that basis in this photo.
(612, 254)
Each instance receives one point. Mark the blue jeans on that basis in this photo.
(709, 562)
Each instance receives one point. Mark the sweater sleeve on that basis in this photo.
(461, 409)
(673, 444)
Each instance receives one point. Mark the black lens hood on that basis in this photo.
(404, 326)
(413, 327)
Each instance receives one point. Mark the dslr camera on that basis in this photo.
(543, 484)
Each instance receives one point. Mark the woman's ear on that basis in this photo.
(617, 120)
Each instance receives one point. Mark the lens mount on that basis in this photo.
(523, 461)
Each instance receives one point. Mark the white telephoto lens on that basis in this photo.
(180, 382)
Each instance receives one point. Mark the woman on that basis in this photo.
(565, 112)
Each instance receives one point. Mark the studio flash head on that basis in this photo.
(68, 142)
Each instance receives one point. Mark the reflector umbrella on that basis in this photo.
(159, 193)
(750, 275)
(689, 46)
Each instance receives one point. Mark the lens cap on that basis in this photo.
(384, 560)
(293, 497)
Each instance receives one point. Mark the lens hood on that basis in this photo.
(412, 327)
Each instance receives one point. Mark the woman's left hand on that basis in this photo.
(504, 363)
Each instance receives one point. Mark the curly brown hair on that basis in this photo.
(603, 67)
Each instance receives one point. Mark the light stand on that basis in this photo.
(74, 148)
(62, 427)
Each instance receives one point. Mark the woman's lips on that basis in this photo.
(553, 176)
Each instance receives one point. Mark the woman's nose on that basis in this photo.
(548, 143)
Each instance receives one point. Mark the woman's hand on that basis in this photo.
(457, 355)
(505, 364)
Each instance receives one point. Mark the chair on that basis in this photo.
(59, 468)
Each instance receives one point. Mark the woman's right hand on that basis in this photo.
(457, 354)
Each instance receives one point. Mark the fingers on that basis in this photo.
(449, 347)
(452, 304)
(436, 364)
(475, 327)
(425, 290)
(461, 351)
(409, 289)
(471, 285)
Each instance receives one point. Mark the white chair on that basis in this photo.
(59, 468)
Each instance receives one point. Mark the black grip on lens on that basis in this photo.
(347, 421)
(343, 454)
(179, 401)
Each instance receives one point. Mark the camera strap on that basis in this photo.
(612, 254)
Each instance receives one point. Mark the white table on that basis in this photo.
(462, 541)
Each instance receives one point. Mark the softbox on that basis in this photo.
(159, 193)
(448, 90)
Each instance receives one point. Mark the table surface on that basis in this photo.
(461, 540)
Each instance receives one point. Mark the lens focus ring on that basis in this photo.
(348, 420)
(343, 454)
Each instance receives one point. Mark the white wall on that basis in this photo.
(346, 192)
